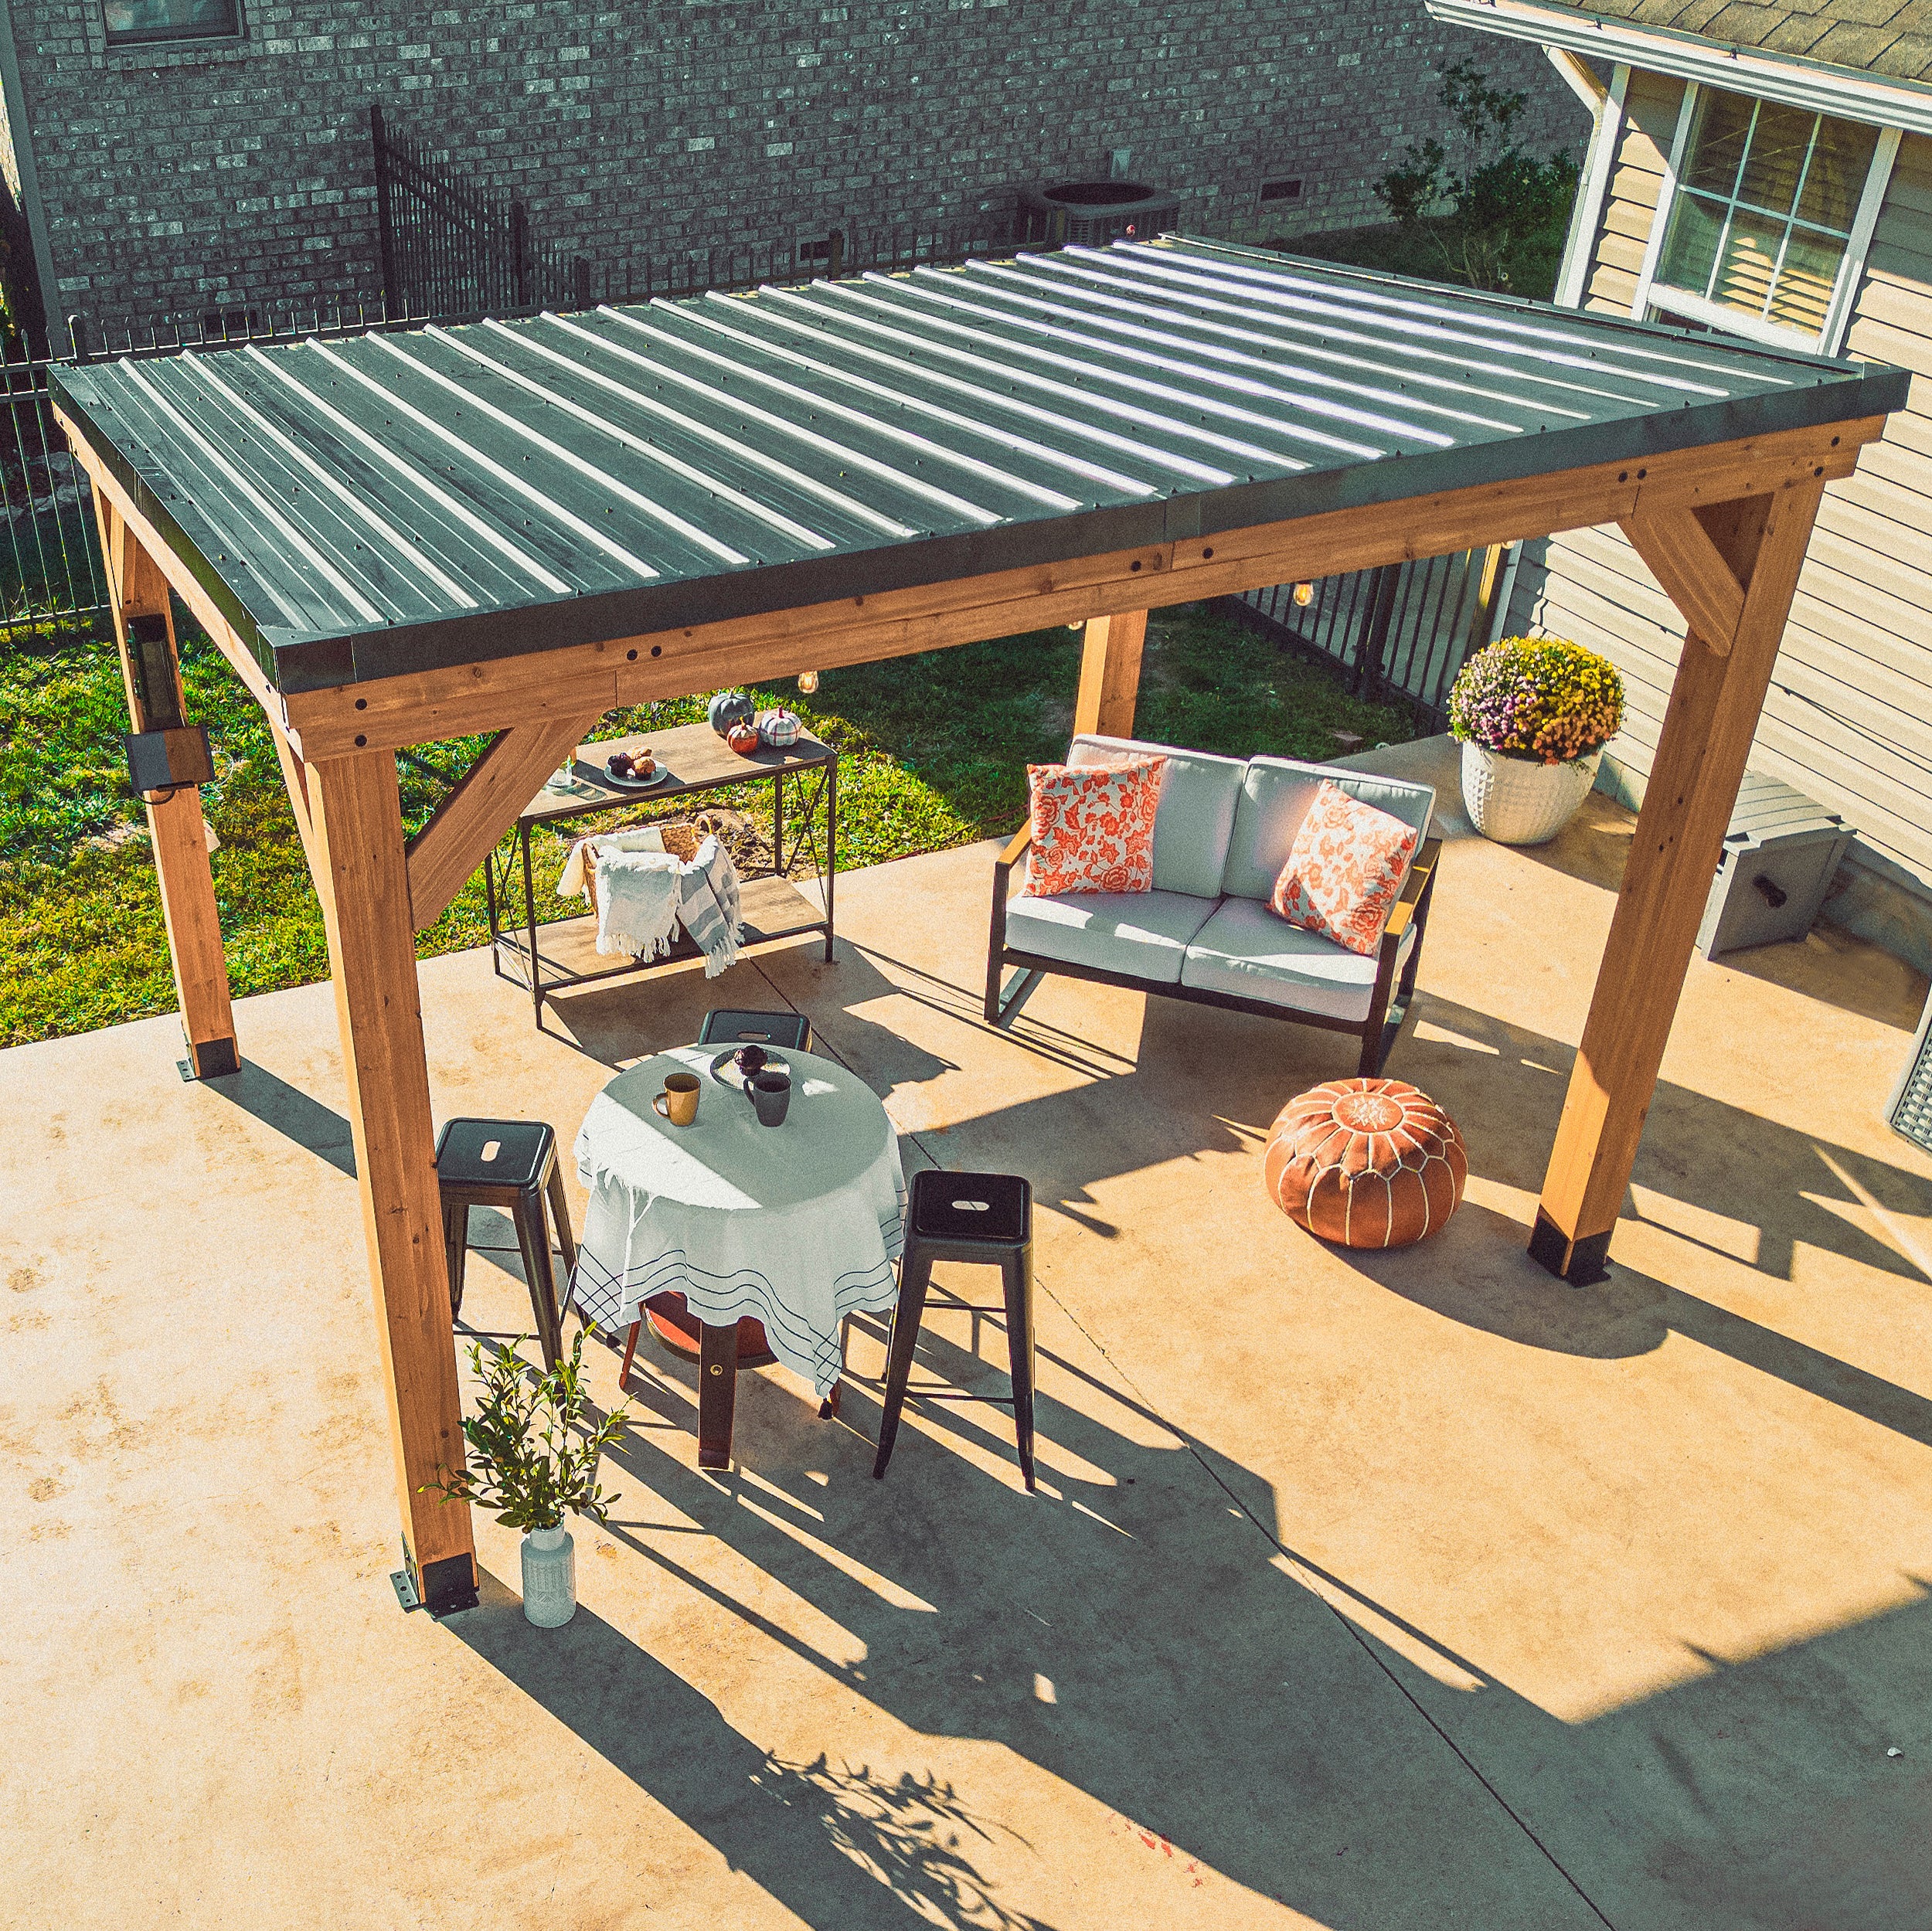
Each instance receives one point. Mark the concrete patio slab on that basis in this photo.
(1409, 1590)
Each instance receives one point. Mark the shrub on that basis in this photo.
(1542, 699)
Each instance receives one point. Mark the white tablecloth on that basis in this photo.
(798, 1225)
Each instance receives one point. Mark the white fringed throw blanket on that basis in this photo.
(638, 900)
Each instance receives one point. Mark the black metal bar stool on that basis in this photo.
(775, 1031)
(985, 1217)
(511, 1164)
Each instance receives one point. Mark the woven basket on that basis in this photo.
(681, 839)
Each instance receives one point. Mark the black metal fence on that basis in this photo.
(452, 251)
(1401, 632)
(450, 247)
(51, 581)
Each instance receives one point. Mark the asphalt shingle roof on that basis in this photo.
(1890, 39)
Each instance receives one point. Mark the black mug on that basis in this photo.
(770, 1092)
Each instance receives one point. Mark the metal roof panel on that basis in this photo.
(404, 501)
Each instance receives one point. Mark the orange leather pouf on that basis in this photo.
(1366, 1163)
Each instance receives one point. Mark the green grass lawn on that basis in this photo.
(932, 749)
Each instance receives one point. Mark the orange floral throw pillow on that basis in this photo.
(1346, 865)
(1093, 826)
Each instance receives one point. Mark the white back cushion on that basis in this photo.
(1199, 796)
(1276, 794)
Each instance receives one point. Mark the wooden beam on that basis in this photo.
(444, 854)
(387, 713)
(1692, 569)
(1110, 675)
(363, 884)
(107, 489)
(295, 777)
(151, 674)
(1713, 711)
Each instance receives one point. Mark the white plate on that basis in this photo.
(725, 1072)
(635, 784)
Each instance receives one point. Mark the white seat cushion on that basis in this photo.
(1245, 951)
(1275, 797)
(1198, 791)
(1141, 933)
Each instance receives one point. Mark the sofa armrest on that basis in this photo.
(1003, 865)
(1404, 911)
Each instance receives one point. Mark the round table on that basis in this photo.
(796, 1225)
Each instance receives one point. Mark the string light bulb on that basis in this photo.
(1304, 593)
(808, 681)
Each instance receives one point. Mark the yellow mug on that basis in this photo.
(679, 1101)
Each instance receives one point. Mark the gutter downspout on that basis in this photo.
(1607, 106)
(32, 212)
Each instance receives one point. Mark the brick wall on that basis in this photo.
(179, 179)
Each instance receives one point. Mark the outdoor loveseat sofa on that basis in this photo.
(1206, 932)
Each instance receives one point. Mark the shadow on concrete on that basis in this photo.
(837, 1845)
(1754, 1190)
(1885, 989)
(291, 1112)
(631, 1018)
(1631, 1314)
(1126, 1632)
(1232, 1703)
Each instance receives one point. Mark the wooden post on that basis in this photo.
(1741, 558)
(1110, 675)
(362, 879)
(151, 670)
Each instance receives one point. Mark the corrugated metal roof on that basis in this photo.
(395, 501)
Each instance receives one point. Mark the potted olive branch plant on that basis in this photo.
(1533, 714)
(532, 1456)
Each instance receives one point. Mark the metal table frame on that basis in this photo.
(810, 760)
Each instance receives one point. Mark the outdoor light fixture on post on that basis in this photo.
(161, 763)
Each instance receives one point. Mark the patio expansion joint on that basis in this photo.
(1355, 1633)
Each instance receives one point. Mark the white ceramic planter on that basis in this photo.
(1517, 803)
(549, 1577)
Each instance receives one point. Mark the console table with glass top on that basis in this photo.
(544, 958)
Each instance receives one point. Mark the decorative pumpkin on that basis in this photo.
(780, 729)
(1366, 1163)
(742, 736)
(728, 708)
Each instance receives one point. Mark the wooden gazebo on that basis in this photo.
(514, 528)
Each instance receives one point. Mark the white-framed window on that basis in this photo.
(134, 22)
(1765, 218)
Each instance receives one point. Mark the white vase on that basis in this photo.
(549, 1577)
(1514, 802)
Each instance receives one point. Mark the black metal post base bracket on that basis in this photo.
(444, 1588)
(1581, 1262)
(209, 1060)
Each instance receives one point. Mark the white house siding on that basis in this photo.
(1848, 720)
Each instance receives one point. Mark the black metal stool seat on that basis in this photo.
(775, 1030)
(511, 1164)
(984, 1217)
